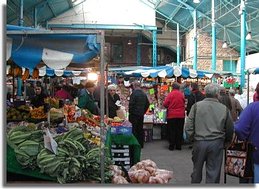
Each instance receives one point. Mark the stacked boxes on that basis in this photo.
(121, 155)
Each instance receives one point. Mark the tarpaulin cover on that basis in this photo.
(28, 50)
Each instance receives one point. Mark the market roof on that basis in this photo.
(169, 12)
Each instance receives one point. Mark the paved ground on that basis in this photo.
(177, 161)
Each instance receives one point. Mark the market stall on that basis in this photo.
(29, 47)
(156, 83)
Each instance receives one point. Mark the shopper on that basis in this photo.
(209, 124)
(38, 99)
(247, 129)
(113, 101)
(175, 104)
(194, 97)
(236, 106)
(86, 99)
(224, 98)
(62, 94)
(256, 94)
(138, 105)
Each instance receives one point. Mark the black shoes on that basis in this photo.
(171, 148)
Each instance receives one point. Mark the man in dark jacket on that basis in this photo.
(138, 105)
(194, 97)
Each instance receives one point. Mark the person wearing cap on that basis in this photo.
(113, 101)
(138, 105)
(86, 99)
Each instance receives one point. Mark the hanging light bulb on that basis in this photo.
(225, 45)
(196, 1)
(249, 33)
(249, 36)
(129, 42)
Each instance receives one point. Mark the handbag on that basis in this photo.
(239, 159)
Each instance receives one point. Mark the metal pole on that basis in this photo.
(21, 13)
(195, 40)
(19, 80)
(214, 42)
(243, 43)
(248, 83)
(154, 48)
(102, 125)
(35, 18)
(139, 38)
(178, 45)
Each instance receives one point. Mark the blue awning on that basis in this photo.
(58, 49)
(253, 70)
(165, 71)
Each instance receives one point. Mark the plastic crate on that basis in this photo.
(121, 130)
(148, 135)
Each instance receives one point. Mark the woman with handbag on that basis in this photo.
(247, 129)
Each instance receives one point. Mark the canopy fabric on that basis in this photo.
(53, 49)
(253, 70)
(165, 71)
(45, 71)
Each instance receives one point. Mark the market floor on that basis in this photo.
(177, 161)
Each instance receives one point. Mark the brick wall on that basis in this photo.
(204, 51)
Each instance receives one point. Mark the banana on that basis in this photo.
(22, 153)
(69, 142)
(28, 143)
(62, 152)
(73, 133)
(53, 170)
(80, 146)
(76, 162)
(47, 160)
(19, 138)
(14, 133)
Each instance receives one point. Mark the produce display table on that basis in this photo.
(126, 140)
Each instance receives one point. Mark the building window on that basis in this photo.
(229, 65)
(159, 30)
(117, 53)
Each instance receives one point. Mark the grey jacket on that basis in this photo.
(212, 121)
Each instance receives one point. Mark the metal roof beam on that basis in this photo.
(171, 16)
(70, 3)
(103, 26)
(204, 15)
(51, 8)
(163, 14)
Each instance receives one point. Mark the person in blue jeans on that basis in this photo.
(247, 129)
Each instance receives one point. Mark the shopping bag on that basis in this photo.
(239, 160)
